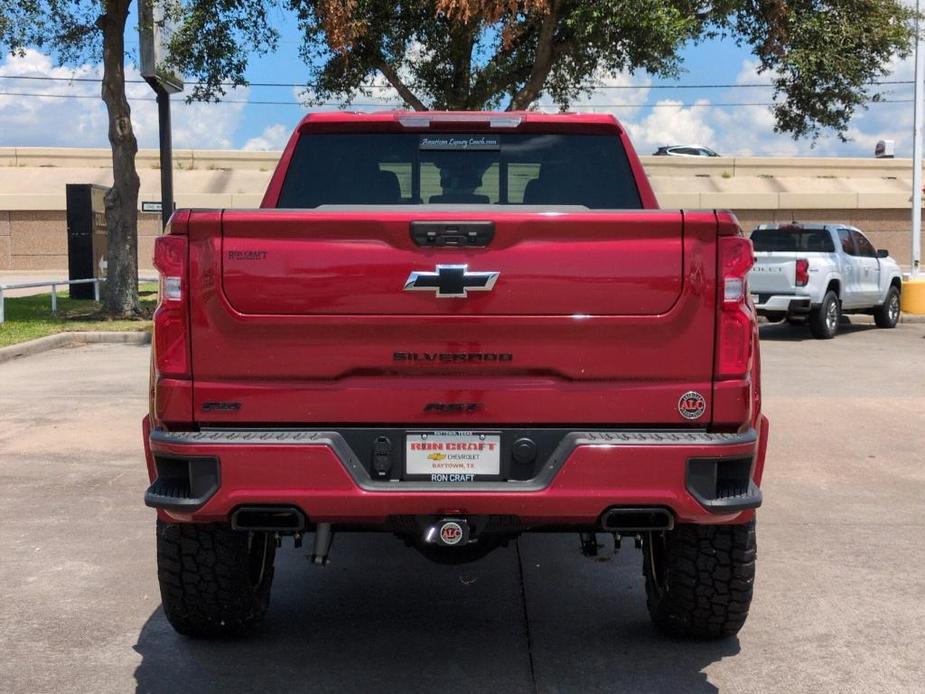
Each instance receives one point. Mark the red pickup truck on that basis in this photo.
(455, 328)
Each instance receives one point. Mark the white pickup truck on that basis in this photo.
(814, 273)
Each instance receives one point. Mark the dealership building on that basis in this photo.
(871, 194)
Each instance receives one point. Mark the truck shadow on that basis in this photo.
(383, 619)
(784, 332)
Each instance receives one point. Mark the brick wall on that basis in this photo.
(889, 229)
(38, 240)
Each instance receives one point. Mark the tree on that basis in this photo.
(79, 31)
(820, 55)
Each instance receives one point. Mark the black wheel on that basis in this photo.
(699, 579)
(823, 321)
(214, 581)
(886, 315)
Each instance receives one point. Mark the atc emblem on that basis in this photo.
(451, 533)
(692, 405)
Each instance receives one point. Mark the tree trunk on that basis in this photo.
(542, 62)
(403, 91)
(120, 298)
(460, 93)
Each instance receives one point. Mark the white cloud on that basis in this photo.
(748, 74)
(273, 137)
(672, 123)
(628, 93)
(52, 119)
(55, 119)
(375, 94)
(749, 130)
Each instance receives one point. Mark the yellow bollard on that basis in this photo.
(913, 296)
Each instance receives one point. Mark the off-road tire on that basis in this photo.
(699, 579)
(886, 315)
(824, 320)
(214, 581)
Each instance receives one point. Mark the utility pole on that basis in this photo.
(917, 148)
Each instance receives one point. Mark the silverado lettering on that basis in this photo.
(452, 407)
(280, 406)
(455, 357)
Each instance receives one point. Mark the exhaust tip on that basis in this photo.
(636, 519)
(278, 519)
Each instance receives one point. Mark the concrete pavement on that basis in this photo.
(839, 606)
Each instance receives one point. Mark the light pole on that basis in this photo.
(166, 150)
(155, 26)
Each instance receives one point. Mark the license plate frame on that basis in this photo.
(464, 456)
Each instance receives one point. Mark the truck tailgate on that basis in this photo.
(773, 273)
(301, 317)
(302, 263)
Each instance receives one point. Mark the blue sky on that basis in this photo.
(654, 116)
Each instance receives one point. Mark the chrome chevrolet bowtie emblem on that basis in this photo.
(451, 281)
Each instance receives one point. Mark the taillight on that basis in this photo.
(171, 343)
(735, 323)
(802, 272)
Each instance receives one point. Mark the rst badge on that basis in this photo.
(451, 281)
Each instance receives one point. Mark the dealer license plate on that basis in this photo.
(453, 456)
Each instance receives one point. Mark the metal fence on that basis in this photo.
(54, 284)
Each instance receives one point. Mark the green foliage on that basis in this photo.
(820, 55)
(214, 40)
(67, 28)
(451, 63)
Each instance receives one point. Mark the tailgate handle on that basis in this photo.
(463, 234)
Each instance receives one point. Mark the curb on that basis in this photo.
(43, 344)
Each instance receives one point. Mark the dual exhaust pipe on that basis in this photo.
(291, 520)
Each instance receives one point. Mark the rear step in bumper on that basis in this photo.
(697, 476)
(778, 303)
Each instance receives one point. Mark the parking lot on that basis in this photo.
(839, 605)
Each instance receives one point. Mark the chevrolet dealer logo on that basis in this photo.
(451, 281)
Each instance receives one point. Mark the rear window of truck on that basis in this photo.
(459, 169)
(793, 239)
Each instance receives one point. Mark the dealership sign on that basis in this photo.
(157, 22)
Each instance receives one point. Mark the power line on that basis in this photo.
(97, 80)
(259, 102)
(47, 78)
